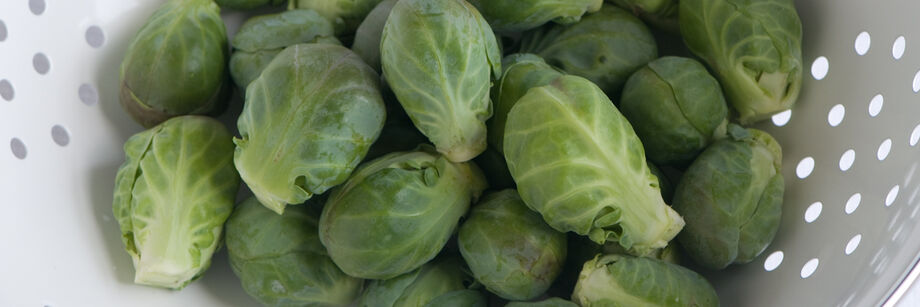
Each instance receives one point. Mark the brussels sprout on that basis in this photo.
(345, 15)
(419, 287)
(397, 212)
(661, 14)
(550, 302)
(459, 298)
(175, 65)
(439, 56)
(676, 108)
(518, 15)
(577, 162)
(261, 38)
(523, 71)
(280, 260)
(308, 120)
(732, 198)
(604, 47)
(509, 248)
(367, 37)
(492, 163)
(246, 4)
(172, 196)
(617, 280)
(753, 47)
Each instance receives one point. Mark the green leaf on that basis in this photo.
(307, 122)
(440, 56)
(753, 47)
(577, 161)
(172, 196)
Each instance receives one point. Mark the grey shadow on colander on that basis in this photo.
(101, 176)
(108, 86)
(101, 193)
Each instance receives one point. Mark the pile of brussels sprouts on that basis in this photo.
(462, 152)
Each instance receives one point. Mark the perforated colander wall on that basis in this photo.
(850, 164)
(851, 156)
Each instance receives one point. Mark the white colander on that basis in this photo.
(848, 236)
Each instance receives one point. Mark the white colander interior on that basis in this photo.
(848, 236)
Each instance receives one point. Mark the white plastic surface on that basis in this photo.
(59, 242)
(848, 237)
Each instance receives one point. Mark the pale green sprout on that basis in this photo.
(732, 199)
(309, 119)
(754, 48)
(440, 57)
(578, 162)
(172, 196)
(176, 64)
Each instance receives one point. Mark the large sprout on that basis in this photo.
(732, 198)
(309, 119)
(577, 161)
(605, 47)
(172, 196)
(397, 212)
(753, 47)
(176, 64)
(440, 57)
